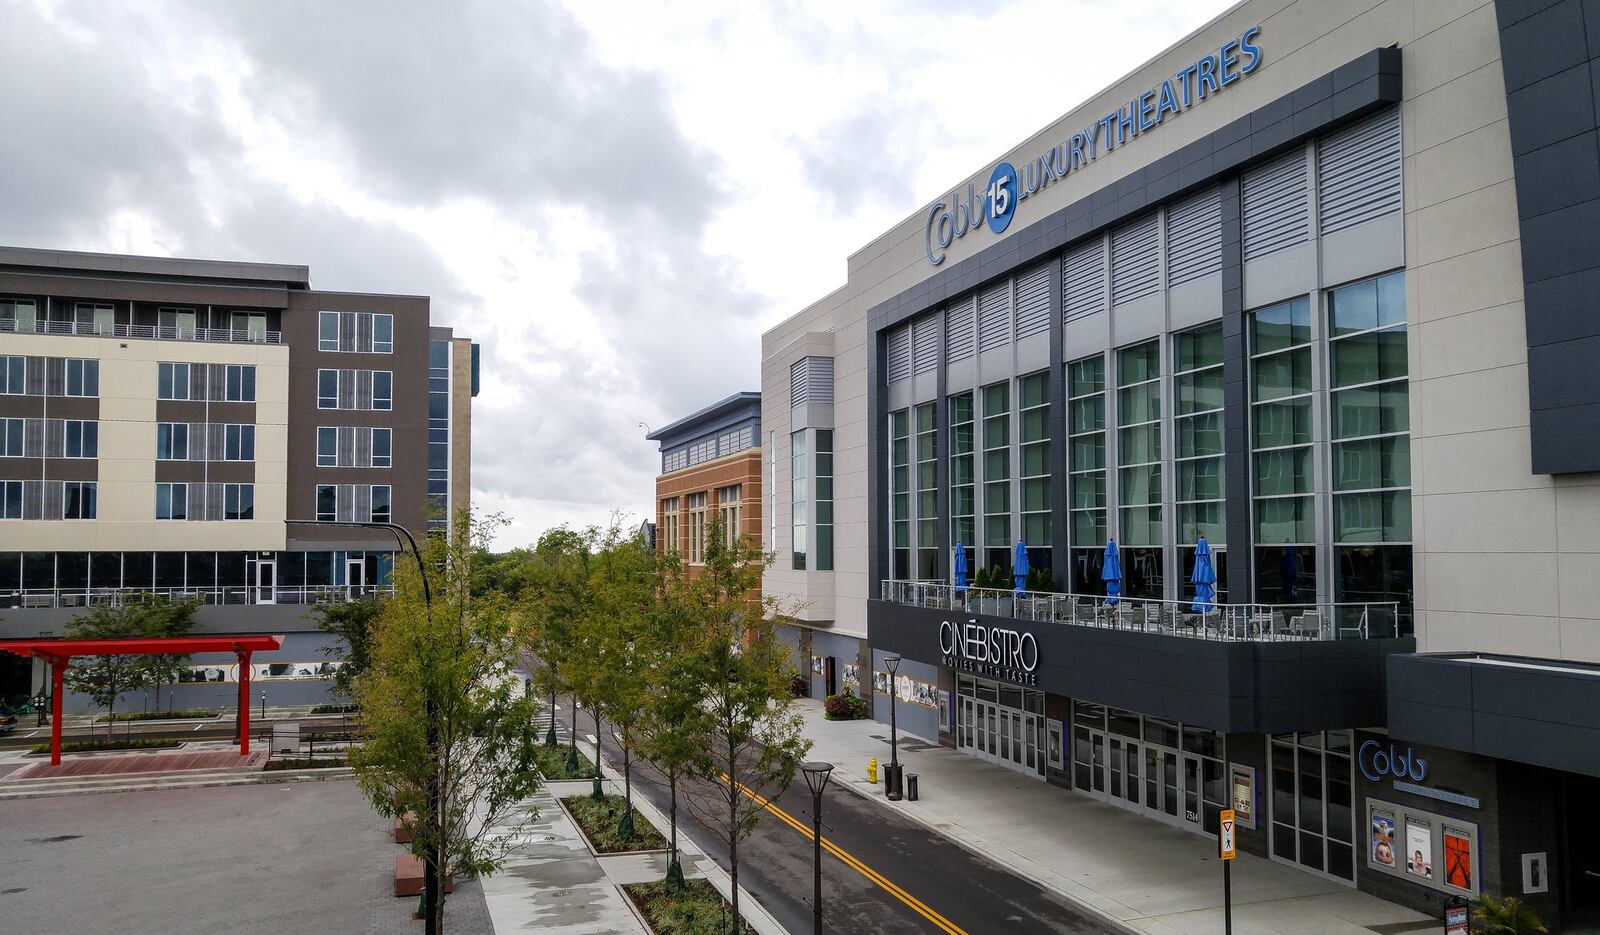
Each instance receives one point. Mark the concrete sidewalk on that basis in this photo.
(1144, 875)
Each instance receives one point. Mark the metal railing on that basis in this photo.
(1228, 622)
(47, 598)
(154, 332)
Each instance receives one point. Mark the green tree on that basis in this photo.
(1508, 916)
(351, 624)
(449, 739)
(743, 672)
(105, 678)
(163, 618)
(553, 604)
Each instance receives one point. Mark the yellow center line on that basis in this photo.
(849, 860)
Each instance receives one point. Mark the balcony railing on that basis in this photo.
(153, 332)
(44, 598)
(1227, 622)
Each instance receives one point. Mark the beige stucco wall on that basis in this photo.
(127, 465)
(1506, 560)
(460, 425)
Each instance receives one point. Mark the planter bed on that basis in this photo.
(698, 910)
(193, 714)
(303, 762)
(598, 822)
(553, 764)
(103, 746)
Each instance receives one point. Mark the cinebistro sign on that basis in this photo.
(1199, 81)
(1011, 655)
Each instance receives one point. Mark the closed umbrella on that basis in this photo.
(1204, 578)
(1019, 565)
(961, 567)
(1111, 572)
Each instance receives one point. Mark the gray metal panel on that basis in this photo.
(899, 354)
(1358, 173)
(1194, 238)
(960, 320)
(994, 316)
(1136, 260)
(1033, 302)
(1369, 248)
(1083, 280)
(1276, 211)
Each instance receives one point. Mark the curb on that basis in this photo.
(854, 785)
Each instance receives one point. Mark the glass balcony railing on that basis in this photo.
(43, 598)
(1218, 621)
(151, 332)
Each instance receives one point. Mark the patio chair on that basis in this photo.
(1307, 625)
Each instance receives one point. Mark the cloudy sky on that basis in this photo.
(615, 199)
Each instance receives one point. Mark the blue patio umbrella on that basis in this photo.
(1111, 572)
(1204, 578)
(1019, 565)
(961, 567)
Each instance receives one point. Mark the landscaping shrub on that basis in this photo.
(844, 706)
(553, 764)
(698, 910)
(305, 762)
(88, 746)
(335, 709)
(181, 714)
(598, 821)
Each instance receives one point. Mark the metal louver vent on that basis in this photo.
(1276, 215)
(1083, 281)
(819, 376)
(1033, 302)
(799, 383)
(1359, 172)
(1136, 260)
(925, 343)
(1194, 237)
(958, 341)
(900, 353)
(994, 317)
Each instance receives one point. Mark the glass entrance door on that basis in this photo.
(355, 576)
(1001, 735)
(266, 582)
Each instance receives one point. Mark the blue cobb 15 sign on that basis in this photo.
(995, 206)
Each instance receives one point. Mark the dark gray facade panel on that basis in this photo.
(1524, 714)
(1232, 687)
(1563, 375)
(1558, 176)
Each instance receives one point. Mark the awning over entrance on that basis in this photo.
(59, 654)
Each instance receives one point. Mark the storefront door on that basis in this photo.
(266, 579)
(1001, 734)
(1122, 765)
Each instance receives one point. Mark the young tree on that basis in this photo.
(449, 738)
(553, 603)
(166, 618)
(743, 673)
(351, 624)
(105, 678)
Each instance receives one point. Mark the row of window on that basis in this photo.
(76, 571)
(22, 315)
(1136, 413)
(49, 376)
(49, 438)
(205, 441)
(51, 500)
(811, 499)
(354, 503)
(179, 380)
(709, 448)
(358, 332)
(354, 446)
(697, 504)
(438, 435)
(355, 389)
(197, 501)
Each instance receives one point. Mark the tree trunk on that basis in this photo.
(432, 886)
(733, 830)
(111, 721)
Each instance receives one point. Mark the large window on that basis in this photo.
(382, 509)
(697, 527)
(11, 431)
(173, 380)
(1086, 470)
(668, 539)
(360, 332)
(239, 443)
(327, 503)
(79, 499)
(95, 318)
(823, 499)
(1312, 819)
(1034, 436)
(963, 488)
(1370, 427)
(81, 439)
(355, 389)
(240, 383)
(728, 510)
(997, 478)
(13, 375)
(172, 501)
(1139, 469)
(1197, 437)
(82, 377)
(927, 502)
(1282, 474)
(239, 501)
(900, 493)
(172, 441)
(11, 499)
(798, 498)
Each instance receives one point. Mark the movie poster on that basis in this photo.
(1382, 836)
(1419, 849)
(1457, 858)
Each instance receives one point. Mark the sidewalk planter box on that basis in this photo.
(845, 706)
(553, 764)
(597, 821)
(698, 910)
(408, 876)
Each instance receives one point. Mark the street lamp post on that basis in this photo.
(816, 774)
(892, 775)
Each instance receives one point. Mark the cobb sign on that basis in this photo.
(1012, 655)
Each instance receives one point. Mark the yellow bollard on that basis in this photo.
(872, 771)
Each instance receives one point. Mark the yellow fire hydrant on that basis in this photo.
(872, 771)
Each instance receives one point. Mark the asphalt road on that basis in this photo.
(941, 887)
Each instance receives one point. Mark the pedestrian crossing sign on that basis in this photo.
(1225, 836)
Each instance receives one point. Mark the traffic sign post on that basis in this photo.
(1228, 849)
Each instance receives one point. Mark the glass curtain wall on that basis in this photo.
(900, 493)
(1370, 428)
(1139, 469)
(927, 494)
(824, 501)
(1312, 819)
(799, 496)
(963, 480)
(997, 478)
(1034, 436)
(1086, 471)
(1283, 475)
(1197, 438)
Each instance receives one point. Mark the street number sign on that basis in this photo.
(1225, 838)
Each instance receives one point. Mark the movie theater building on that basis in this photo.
(1313, 284)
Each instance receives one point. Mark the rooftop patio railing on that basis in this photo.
(45, 598)
(1219, 621)
(153, 332)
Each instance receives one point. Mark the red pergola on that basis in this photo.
(59, 654)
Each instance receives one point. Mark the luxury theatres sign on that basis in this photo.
(1012, 655)
(995, 206)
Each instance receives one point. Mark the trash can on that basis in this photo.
(911, 787)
